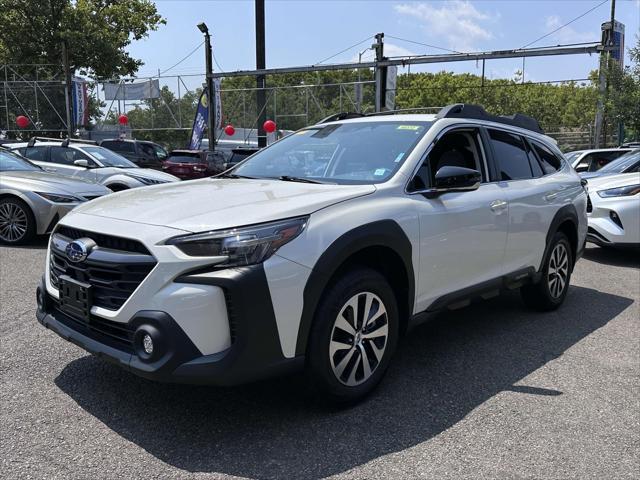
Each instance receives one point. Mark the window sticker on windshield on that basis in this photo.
(399, 157)
(409, 127)
(379, 172)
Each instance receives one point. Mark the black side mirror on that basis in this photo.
(453, 179)
(457, 179)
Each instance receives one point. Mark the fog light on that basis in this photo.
(615, 218)
(147, 344)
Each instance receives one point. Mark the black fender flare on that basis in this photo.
(382, 233)
(567, 212)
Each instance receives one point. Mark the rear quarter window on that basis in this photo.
(550, 162)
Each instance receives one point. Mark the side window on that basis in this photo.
(459, 148)
(534, 164)
(550, 161)
(35, 153)
(147, 150)
(66, 156)
(511, 155)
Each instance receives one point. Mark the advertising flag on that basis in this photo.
(80, 102)
(200, 122)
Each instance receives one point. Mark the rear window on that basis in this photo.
(185, 158)
(119, 146)
(550, 162)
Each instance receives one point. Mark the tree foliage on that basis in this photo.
(96, 31)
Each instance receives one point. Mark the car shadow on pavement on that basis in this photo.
(616, 257)
(442, 371)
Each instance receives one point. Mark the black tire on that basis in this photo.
(16, 209)
(547, 295)
(117, 187)
(362, 284)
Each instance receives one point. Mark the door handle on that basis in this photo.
(498, 206)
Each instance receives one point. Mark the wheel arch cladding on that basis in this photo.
(565, 221)
(371, 245)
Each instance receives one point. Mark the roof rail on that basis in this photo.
(341, 116)
(65, 141)
(468, 110)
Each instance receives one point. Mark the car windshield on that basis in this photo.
(571, 156)
(621, 164)
(108, 158)
(10, 162)
(343, 153)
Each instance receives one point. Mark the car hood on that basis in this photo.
(211, 204)
(51, 183)
(613, 181)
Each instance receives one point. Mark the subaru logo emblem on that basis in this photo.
(78, 250)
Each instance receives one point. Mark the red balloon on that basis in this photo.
(229, 130)
(123, 119)
(269, 126)
(22, 121)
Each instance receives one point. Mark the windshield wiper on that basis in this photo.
(288, 178)
(231, 175)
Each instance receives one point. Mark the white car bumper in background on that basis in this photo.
(614, 221)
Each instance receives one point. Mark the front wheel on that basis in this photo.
(17, 225)
(353, 337)
(551, 290)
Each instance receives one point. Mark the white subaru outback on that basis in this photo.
(319, 251)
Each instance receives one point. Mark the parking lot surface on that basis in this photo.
(488, 391)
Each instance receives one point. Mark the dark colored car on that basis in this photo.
(143, 153)
(190, 164)
(239, 154)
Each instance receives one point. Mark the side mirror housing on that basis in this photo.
(582, 168)
(81, 163)
(453, 179)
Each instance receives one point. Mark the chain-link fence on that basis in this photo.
(37, 92)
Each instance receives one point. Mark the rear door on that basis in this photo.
(534, 194)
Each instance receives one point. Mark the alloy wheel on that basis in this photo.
(13, 222)
(358, 338)
(558, 270)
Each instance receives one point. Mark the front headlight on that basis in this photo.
(58, 198)
(145, 180)
(627, 191)
(244, 245)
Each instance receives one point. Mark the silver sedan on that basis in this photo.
(32, 200)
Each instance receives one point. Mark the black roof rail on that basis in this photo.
(342, 116)
(468, 110)
(65, 141)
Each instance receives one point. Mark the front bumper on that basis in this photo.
(605, 231)
(255, 351)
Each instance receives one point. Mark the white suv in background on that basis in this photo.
(91, 162)
(319, 251)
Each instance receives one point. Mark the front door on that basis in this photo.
(462, 234)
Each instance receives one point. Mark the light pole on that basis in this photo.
(358, 90)
(211, 94)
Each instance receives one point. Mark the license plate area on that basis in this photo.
(75, 298)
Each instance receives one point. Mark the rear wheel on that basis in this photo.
(551, 290)
(353, 337)
(17, 224)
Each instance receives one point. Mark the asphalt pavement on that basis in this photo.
(488, 391)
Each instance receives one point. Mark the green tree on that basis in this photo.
(96, 31)
(622, 100)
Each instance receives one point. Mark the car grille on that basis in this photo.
(115, 334)
(589, 205)
(113, 273)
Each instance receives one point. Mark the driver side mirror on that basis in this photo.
(454, 179)
(583, 167)
(81, 163)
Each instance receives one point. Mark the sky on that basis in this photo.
(305, 32)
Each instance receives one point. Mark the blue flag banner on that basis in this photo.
(200, 122)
